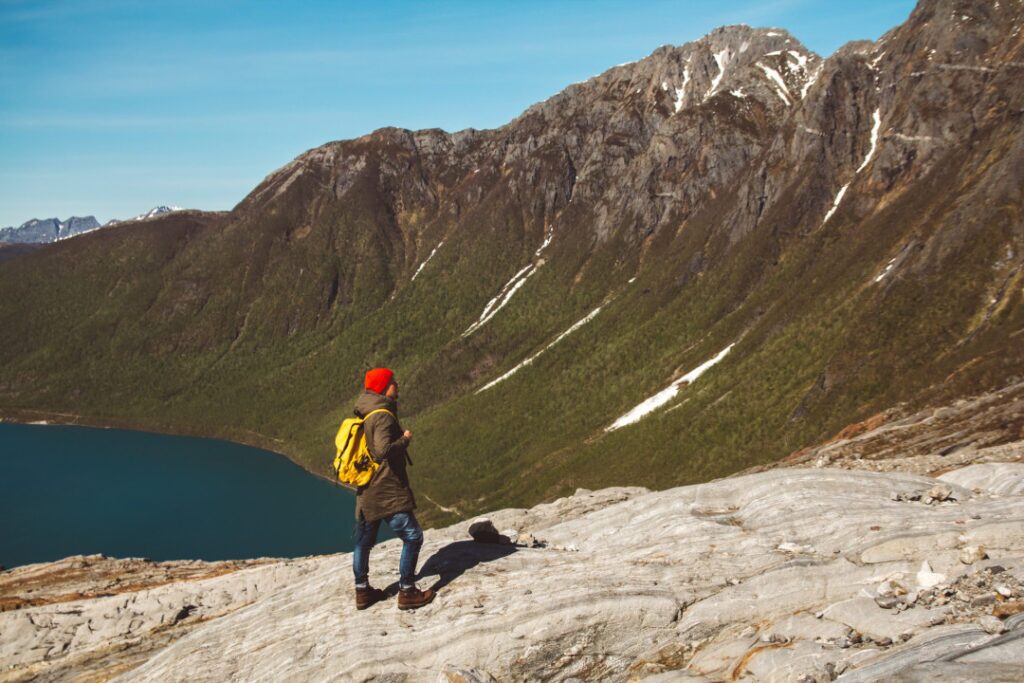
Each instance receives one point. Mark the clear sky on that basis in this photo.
(111, 107)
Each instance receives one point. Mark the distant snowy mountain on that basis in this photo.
(42, 231)
(152, 213)
(46, 230)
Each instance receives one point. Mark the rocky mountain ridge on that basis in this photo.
(842, 234)
(45, 231)
(48, 229)
(152, 213)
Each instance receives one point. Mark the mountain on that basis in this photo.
(38, 231)
(49, 230)
(689, 265)
(152, 213)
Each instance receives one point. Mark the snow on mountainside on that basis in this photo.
(152, 213)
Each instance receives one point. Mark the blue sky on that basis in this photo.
(111, 107)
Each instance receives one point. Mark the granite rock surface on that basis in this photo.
(790, 574)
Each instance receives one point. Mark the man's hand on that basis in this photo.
(408, 435)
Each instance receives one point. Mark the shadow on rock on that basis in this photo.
(454, 559)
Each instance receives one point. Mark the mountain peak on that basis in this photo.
(152, 213)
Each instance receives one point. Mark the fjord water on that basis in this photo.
(75, 490)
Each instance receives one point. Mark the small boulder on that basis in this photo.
(1003, 590)
(530, 541)
(991, 624)
(887, 601)
(972, 553)
(926, 578)
(482, 530)
(940, 493)
(983, 600)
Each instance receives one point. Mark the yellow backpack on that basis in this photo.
(354, 464)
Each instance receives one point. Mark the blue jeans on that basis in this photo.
(406, 527)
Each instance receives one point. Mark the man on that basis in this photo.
(388, 496)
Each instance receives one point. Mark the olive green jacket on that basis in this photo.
(389, 491)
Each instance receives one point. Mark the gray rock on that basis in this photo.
(983, 600)
(887, 601)
(972, 553)
(940, 493)
(646, 598)
(993, 625)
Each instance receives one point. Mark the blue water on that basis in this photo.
(75, 490)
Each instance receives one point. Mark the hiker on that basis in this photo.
(388, 496)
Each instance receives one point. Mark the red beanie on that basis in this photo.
(378, 379)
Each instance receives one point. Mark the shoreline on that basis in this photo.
(54, 419)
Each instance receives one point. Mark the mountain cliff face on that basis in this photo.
(840, 236)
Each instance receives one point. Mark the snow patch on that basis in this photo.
(681, 91)
(545, 243)
(575, 326)
(835, 203)
(888, 267)
(913, 138)
(966, 67)
(504, 296)
(427, 260)
(157, 211)
(83, 232)
(776, 79)
(667, 394)
(876, 117)
(811, 81)
(722, 58)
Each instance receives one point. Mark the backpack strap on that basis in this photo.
(379, 410)
(366, 417)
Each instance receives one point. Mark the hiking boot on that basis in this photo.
(412, 598)
(367, 596)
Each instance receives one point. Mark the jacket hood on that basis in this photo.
(369, 400)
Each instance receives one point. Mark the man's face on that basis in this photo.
(392, 390)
